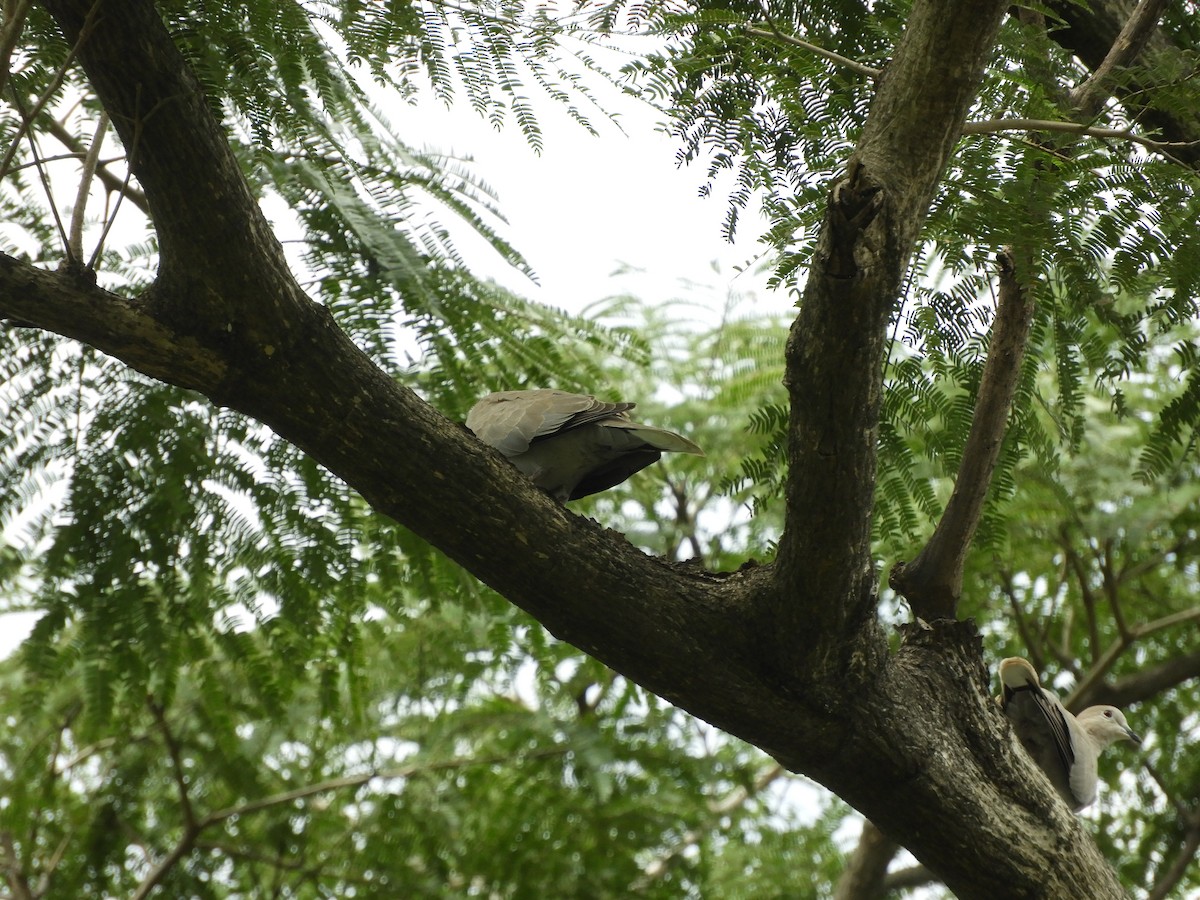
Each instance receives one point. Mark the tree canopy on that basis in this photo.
(299, 634)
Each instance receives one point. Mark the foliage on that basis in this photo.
(295, 677)
(242, 671)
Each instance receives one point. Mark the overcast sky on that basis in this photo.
(588, 205)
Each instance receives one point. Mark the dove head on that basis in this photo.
(1106, 725)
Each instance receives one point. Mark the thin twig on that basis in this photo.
(992, 126)
(51, 775)
(190, 835)
(75, 235)
(176, 757)
(165, 865)
(85, 31)
(112, 183)
(361, 779)
(123, 192)
(1034, 647)
(1085, 593)
(41, 171)
(1110, 587)
(845, 61)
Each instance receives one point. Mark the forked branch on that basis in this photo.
(1091, 95)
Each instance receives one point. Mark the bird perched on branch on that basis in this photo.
(570, 445)
(1066, 747)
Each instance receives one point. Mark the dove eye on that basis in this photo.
(1108, 714)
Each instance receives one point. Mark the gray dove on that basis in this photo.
(570, 445)
(1066, 747)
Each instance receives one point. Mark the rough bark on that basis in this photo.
(791, 656)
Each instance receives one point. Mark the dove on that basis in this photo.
(1066, 747)
(570, 445)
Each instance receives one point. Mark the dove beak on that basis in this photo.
(1136, 738)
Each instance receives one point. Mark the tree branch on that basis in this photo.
(196, 827)
(18, 883)
(112, 183)
(69, 304)
(993, 126)
(52, 864)
(10, 34)
(1183, 861)
(350, 781)
(1090, 96)
(86, 23)
(1088, 686)
(1091, 31)
(1147, 682)
(253, 341)
(835, 383)
(90, 161)
(866, 870)
(174, 754)
(932, 582)
(191, 827)
(846, 62)
(908, 878)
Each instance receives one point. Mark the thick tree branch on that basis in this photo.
(251, 340)
(932, 582)
(1009, 795)
(70, 304)
(837, 344)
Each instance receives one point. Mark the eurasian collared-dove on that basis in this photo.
(1066, 747)
(570, 445)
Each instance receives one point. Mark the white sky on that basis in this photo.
(589, 205)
